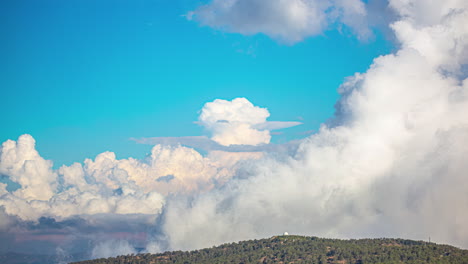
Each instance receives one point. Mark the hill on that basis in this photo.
(300, 249)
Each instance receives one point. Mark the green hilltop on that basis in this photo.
(302, 249)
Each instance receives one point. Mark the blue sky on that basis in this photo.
(82, 77)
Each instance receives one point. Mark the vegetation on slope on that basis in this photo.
(299, 249)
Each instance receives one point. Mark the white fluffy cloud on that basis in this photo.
(235, 126)
(107, 185)
(289, 21)
(21, 162)
(231, 122)
(393, 164)
(84, 191)
(239, 122)
(106, 188)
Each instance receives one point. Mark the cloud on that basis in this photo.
(5, 220)
(274, 125)
(288, 21)
(108, 185)
(78, 199)
(73, 202)
(102, 185)
(22, 163)
(392, 164)
(76, 237)
(231, 122)
(239, 122)
(236, 126)
(204, 143)
(112, 248)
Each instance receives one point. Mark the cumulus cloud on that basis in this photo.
(231, 122)
(23, 164)
(109, 187)
(289, 21)
(235, 126)
(102, 185)
(81, 197)
(393, 162)
(239, 122)
(105, 185)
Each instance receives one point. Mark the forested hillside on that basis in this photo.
(299, 249)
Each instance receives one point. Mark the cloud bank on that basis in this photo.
(392, 161)
(288, 21)
(76, 202)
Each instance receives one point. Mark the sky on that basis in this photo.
(89, 75)
(147, 126)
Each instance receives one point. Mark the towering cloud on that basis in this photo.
(103, 185)
(107, 185)
(102, 198)
(232, 122)
(235, 126)
(393, 162)
(21, 162)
